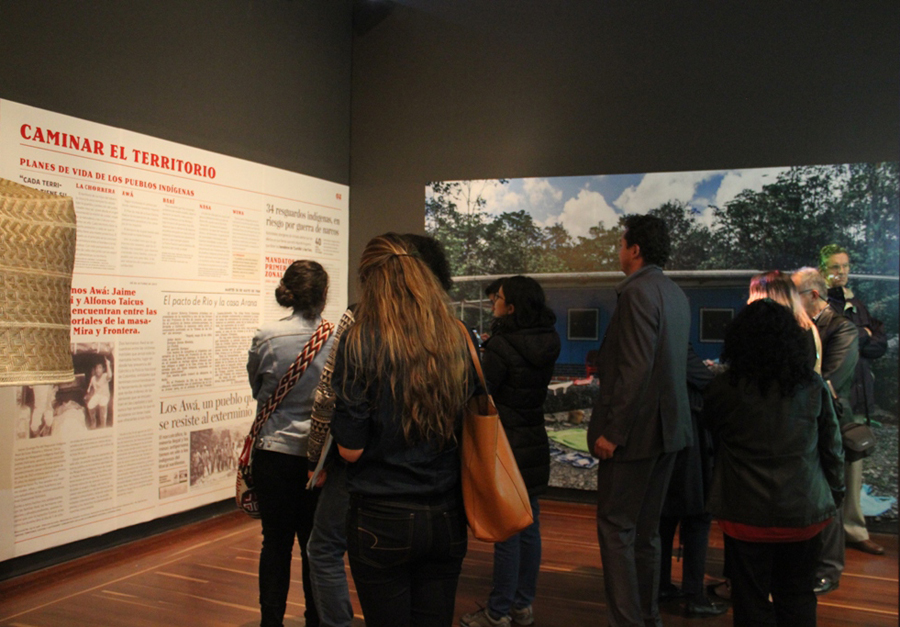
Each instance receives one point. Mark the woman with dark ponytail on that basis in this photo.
(279, 460)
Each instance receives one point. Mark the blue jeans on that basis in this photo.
(326, 547)
(406, 556)
(517, 562)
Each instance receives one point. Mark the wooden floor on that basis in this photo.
(205, 574)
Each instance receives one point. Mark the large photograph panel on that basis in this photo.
(726, 225)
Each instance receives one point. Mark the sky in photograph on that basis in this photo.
(580, 202)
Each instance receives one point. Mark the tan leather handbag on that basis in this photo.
(494, 493)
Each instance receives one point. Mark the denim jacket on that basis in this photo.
(274, 348)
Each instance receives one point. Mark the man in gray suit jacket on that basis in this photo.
(640, 420)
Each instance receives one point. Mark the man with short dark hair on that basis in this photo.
(640, 420)
(840, 352)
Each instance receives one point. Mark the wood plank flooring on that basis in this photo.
(205, 575)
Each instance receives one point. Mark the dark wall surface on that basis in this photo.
(471, 89)
(263, 80)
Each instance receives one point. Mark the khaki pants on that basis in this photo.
(854, 521)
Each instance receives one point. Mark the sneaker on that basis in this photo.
(523, 615)
(700, 606)
(481, 618)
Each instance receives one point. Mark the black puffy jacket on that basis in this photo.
(518, 366)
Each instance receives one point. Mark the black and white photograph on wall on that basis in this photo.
(214, 452)
(726, 226)
(94, 375)
(36, 407)
(72, 408)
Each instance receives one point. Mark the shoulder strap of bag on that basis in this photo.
(293, 374)
(474, 354)
(835, 401)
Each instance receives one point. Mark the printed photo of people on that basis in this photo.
(71, 408)
(214, 451)
(36, 411)
(94, 375)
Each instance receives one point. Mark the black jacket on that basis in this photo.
(872, 345)
(518, 366)
(692, 474)
(840, 354)
(779, 459)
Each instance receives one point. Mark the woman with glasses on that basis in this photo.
(519, 359)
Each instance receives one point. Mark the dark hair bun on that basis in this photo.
(283, 296)
(303, 287)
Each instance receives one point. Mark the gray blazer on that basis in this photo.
(643, 405)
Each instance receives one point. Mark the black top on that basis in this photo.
(840, 353)
(872, 345)
(518, 366)
(692, 474)
(388, 466)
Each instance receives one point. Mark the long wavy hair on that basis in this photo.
(780, 288)
(404, 331)
(764, 345)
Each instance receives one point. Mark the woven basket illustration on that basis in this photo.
(37, 254)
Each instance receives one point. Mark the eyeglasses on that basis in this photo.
(818, 296)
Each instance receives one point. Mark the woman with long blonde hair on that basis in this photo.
(401, 379)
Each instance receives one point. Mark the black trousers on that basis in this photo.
(287, 510)
(831, 559)
(695, 540)
(786, 570)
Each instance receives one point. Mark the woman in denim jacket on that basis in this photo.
(279, 461)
